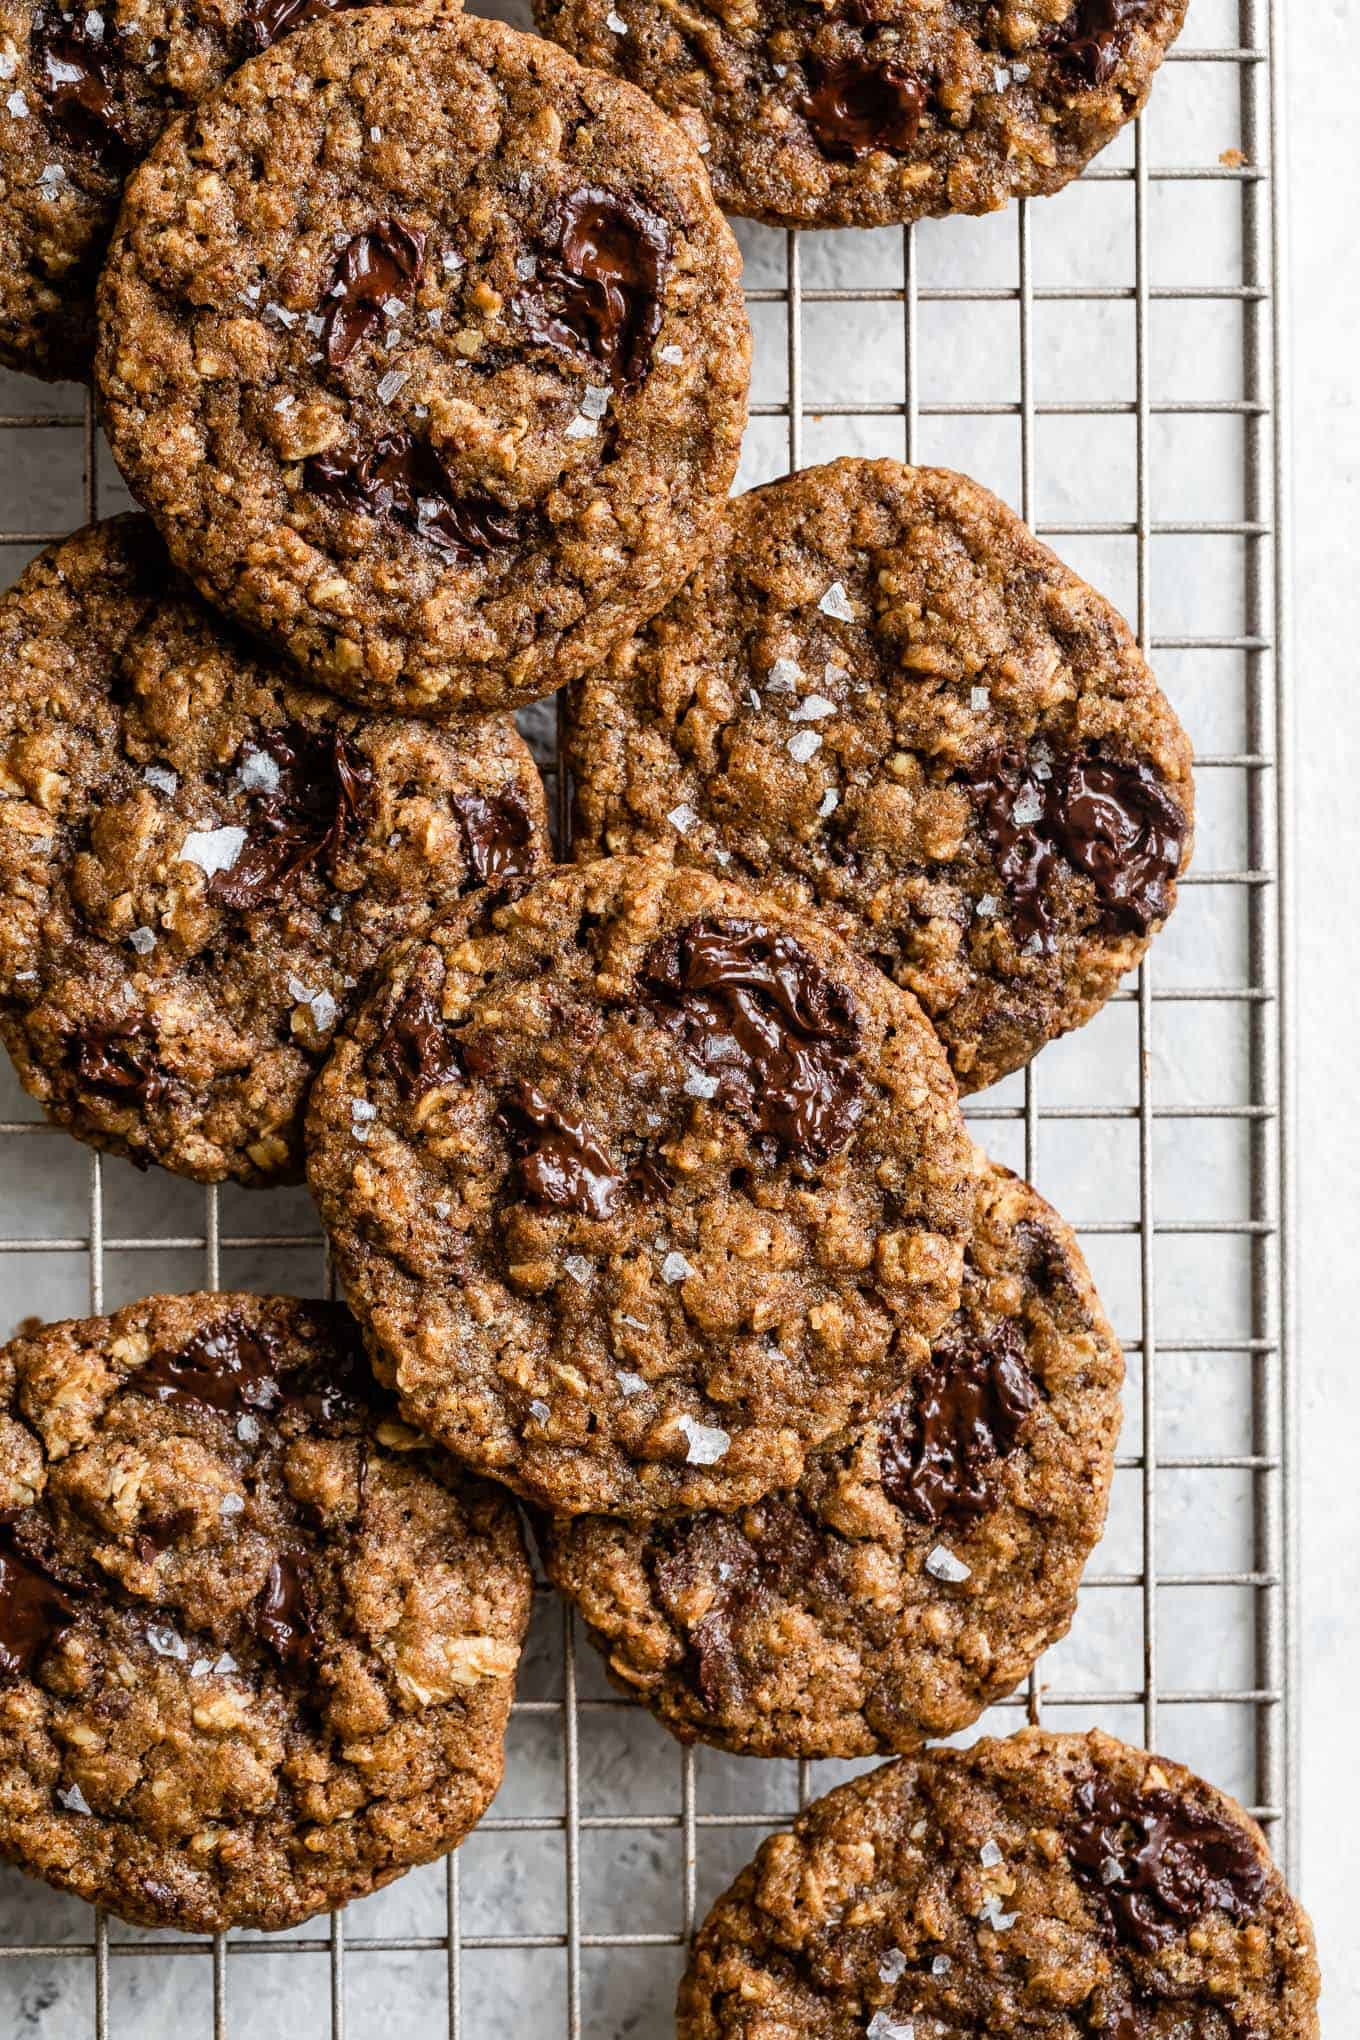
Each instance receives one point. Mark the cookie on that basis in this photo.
(881, 112)
(201, 859)
(426, 350)
(257, 1639)
(84, 93)
(880, 696)
(641, 1187)
(913, 1576)
(1059, 1887)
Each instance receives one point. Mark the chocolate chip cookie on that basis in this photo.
(641, 1186)
(1059, 1887)
(201, 858)
(881, 111)
(257, 1639)
(426, 350)
(84, 92)
(915, 1574)
(879, 695)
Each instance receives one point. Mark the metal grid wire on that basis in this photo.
(1260, 1109)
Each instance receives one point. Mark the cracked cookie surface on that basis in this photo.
(258, 1640)
(881, 697)
(914, 1575)
(201, 858)
(885, 111)
(641, 1187)
(84, 93)
(426, 350)
(1060, 1887)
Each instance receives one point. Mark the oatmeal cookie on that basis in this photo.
(884, 111)
(641, 1187)
(882, 697)
(84, 92)
(1055, 1887)
(201, 858)
(426, 350)
(914, 1575)
(257, 1639)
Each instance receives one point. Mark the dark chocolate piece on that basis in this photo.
(264, 21)
(227, 1366)
(499, 834)
(283, 1613)
(562, 1162)
(1158, 1863)
(76, 72)
(417, 1048)
(756, 1014)
(1113, 821)
(861, 103)
(403, 479)
(599, 282)
(1092, 39)
(119, 1060)
(386, 262)
(319, 802)
(938, 1448)
(34, 1607)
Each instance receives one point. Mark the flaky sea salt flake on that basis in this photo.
(615, 23)
(803, 746)
(213, 850)
(17, 106)
(630, 1384)
(1027, 809)
(682, 817)
(280, 314)
(883, 2027)
(582, 427)
(594, 400)
(539, 1411)
(830, 801)
(813, 709)
(675, 1268)
(941, 1966)
(836, 603)
(942, 1564)
(673, 356)
(74, 1800)
(893, 1966)
(708, 1443)
(578, 1267)
(784, 676)
(143, 940)
(980, 698)
(990, 1856)
(394, 381)
(700, 1085)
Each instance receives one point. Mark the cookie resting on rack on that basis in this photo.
(641, 1186)
(881, 112)
(85, 91)
(201, 858)
(257, 1640)
(917, 1572)
(881, 697)
(426, 350)
(1055, 1887)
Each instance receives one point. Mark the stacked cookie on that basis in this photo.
(423, 347)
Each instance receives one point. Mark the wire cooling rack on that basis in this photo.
(1109, 361)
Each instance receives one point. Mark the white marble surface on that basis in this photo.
(630, 1880)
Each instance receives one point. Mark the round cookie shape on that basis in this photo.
(84, 93)
(258, 1640)
(915, 1575)
(882, 697)
(1060, 1887)
(201, 858)
(882, 113)
(426, 350)
(640, 1186)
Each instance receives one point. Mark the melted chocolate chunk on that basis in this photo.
(1157, 1863)
(599, 281)
(337, 1397)
(498, 833)
(76, 72)
(1114, 822)
(562, 1162)
(858, 104)
(318, 803)
(283, 1613)
(740, 1563)
(119, 1061)
(227, 1366)
(1091, 41)
(417, 1048)
(937, 1449)
(264, 21)
(404, 480)
(34, 1607)
(756, 1013)
(387, 262)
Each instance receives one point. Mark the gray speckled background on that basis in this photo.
(513, 1881)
